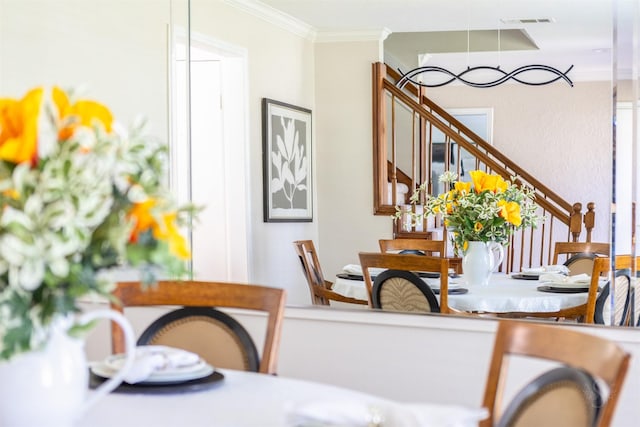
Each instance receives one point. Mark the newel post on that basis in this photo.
(379, 136)
(590, 219)
(575, 222)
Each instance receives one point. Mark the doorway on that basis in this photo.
(211, 154)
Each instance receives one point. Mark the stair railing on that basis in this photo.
(395, 110)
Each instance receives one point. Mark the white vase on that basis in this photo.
(48, 387)
(480, 260)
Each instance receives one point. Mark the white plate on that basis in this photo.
(114, 363)
(178, 361)
(568, 285)
(559, 268)
(167, 377)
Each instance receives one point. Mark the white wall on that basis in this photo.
(116, 52)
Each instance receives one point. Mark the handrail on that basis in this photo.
(527, 248)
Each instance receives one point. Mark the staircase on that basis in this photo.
(562, 220)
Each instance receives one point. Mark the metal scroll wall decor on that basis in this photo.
(503, 76)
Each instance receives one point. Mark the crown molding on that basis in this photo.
(275, 17)
(352, 36)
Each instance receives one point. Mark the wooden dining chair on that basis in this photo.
(568, 249)
(418, 246)
(320, 289)
(600, 358)
(206, 331)
(410, 263)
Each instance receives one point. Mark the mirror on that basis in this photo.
(128, 68)
(625, 145)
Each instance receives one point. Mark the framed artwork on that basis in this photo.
(286, 158)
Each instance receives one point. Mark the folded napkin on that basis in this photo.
(356, 269)
(556, 268)
(435, 283)
(352, 269)
(155, 358)
(362, 414)
(557, 278)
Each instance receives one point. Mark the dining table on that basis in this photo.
(503, 294)
(243, 399)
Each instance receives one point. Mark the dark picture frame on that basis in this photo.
(286, 162)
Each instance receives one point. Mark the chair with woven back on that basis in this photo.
(579, 256)
(567, 395)
(320, 289)
(399, 288)
(198, 326)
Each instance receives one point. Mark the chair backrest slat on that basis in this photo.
(426, 246)
(571, 248)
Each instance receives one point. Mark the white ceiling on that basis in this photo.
(581, 34)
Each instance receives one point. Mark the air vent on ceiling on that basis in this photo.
(527, 20)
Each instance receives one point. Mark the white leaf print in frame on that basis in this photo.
(287, 187)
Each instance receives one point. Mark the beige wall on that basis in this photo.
(558, 133)
(345, 155)
(281, 67)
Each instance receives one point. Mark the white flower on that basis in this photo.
(448, 177)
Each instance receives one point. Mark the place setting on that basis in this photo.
(157, 369)
(354, 272)
(454, 288)
(560, 283)
(534, 273)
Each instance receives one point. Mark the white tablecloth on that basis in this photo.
(502, 295)
(246, 399)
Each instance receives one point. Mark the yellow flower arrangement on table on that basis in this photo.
(487, 209)
(79, 196)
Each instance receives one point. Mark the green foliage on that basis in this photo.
(93, 200)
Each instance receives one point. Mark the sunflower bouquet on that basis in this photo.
(486, 209)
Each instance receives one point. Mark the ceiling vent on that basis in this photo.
(514, 21)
